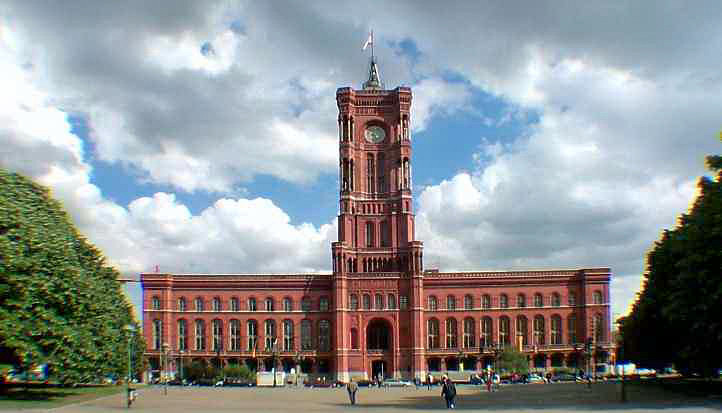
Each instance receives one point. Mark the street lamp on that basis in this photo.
(297, 360)
(180, 360)
(164, 374)
(130, 329)
(274, 354)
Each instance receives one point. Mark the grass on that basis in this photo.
(47, 397)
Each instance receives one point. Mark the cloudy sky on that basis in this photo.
(201, 136)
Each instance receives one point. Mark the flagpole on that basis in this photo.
(372, 45)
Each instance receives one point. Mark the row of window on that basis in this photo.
(251, 305)
(521, 301)
(502, 333)
(380, 302)
(234, 343)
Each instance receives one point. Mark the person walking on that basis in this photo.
(448, 391)
(429, 380)
(352, 388)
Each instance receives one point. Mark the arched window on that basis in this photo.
(556, 329)
(252, 304)
(235, 333)
(522, 331)
(200, 333)
(469, 334)
(353, 302)
(597, 297)
(503, 301)
(198, 303)
(323, 304)
(369, 234)
(182, 304)
(324, 335)
(216, 304)
(485, 302)
(306, 338)
(468, 302)
(572, 299)
(538, 300)
(486, 331)
(269, 329)
(157, 334)
(235, 305)
(155, 303)
(182, 335)
(556, 301)
(433, 333)
(354, 339)
(217, 335)
(451, 302)
(451, 333)
(367, 302)
(391, 301)
(433, 305)
(252, 329)
(305, 304)
(287, 335)
(287, 304)
(504, 327)
(572, 329)
(539, 332)
(379, 302)
(269, 304)
(599, 328)
(521, 301)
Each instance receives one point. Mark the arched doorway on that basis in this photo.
(379, 368)
(378, 335)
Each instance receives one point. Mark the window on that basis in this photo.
(597, 297)
(486, 329)
(306, 339)
(403, 302)
(469, 335)
(182, 304)
(521, 301)
(157, 334)
(155, 303)
(485, 302)
(572, 328)
(433, 333)
(287, 304)
(305, 304)
(522, 331)
(252, 329)
(468, 302)
(382, 181)
(433, 305)
(216, 304)
(182, 335)
(504, 331)
(391, 302)
(379, 302)
(234, 304)
(556, 301)
(503, 301)
(235, 327)
(556, 330)
(269, 304)
(200, 334)
(324, 335)
(217, 335)
(198, 304)
(367, 302)
(252, 304)
(354, 339)
(370, 168)
(269, 328)
(451, 303)
(538, 300)
(451, 333)
(353, 302)
(323, 304)
(598, 328)
(539, 330)
(572, 299)
(369, 234)
(287, 335)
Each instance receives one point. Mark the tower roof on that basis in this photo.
(374, 81)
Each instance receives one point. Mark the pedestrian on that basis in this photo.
(448, 391)
(497, 381)
(488, 381)
(352, 388)
(429, 380)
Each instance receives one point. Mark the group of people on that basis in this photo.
(448, 390)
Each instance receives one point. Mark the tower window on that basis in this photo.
(369, 234)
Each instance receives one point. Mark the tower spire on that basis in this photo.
(374, 80)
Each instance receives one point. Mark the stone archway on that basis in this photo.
(379, 335)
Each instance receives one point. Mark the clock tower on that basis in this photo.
(376, 254)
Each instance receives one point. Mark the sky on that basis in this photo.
(200, 136)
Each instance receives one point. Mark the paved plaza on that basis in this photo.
(512, 398)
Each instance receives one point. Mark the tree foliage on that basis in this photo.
(676, 317)
(513, 361)
(60, 303)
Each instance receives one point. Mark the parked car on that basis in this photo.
(363, 383)
(397, 383)
(535, 378)
(560, 377)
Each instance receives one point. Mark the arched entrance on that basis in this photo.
(378, 335)
(379, 368)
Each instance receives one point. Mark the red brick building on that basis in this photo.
(378, 311)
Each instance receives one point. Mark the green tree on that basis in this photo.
(60, 303)
(676, 317)
(513, 361)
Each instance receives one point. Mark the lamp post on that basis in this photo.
(130, 329)
(297, 360)
(180, 360)
(164, 375)
(274, 354)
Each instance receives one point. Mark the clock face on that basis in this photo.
(375, 134)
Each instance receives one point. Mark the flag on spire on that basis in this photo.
(369, 41)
